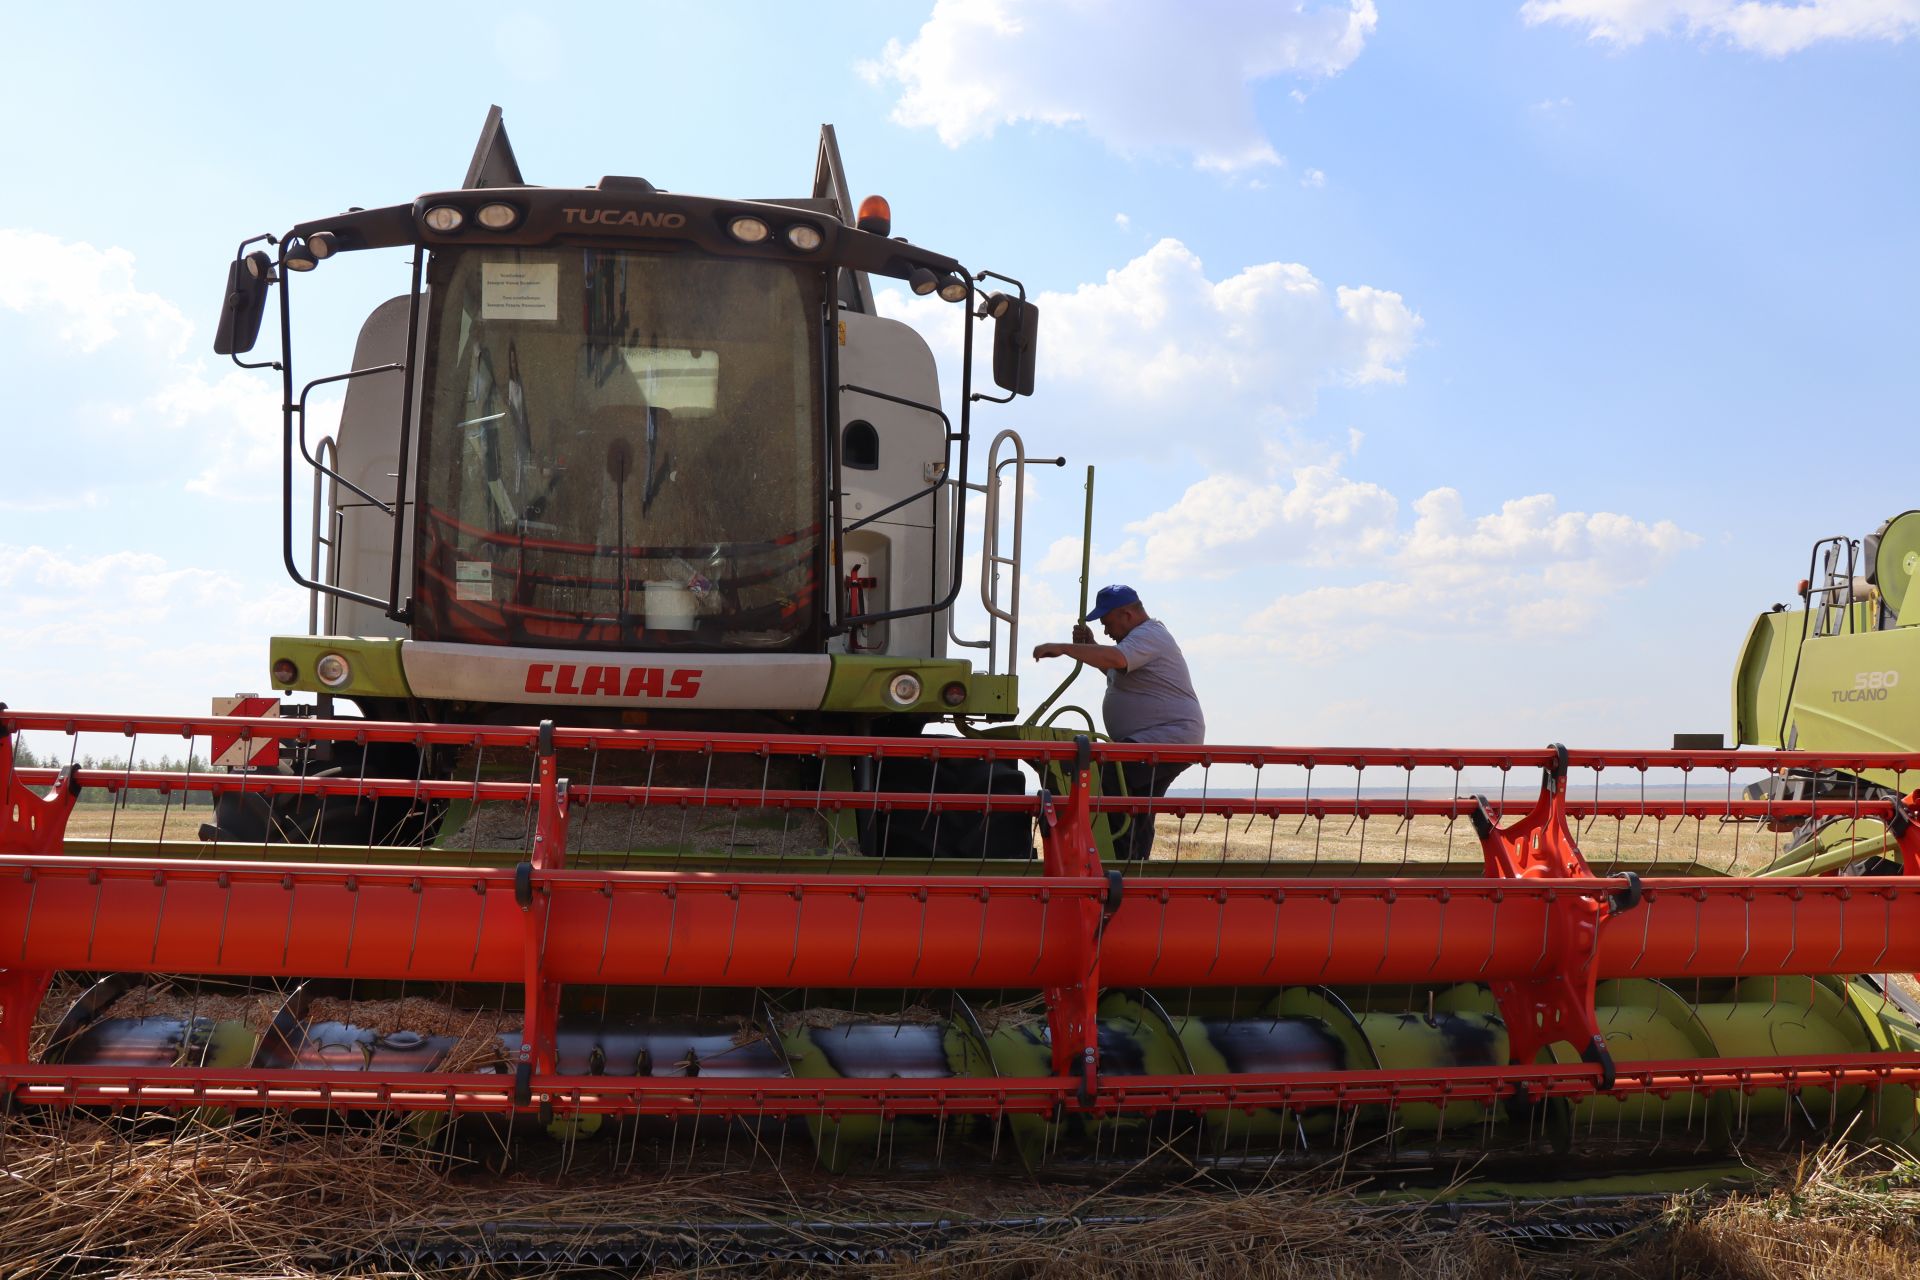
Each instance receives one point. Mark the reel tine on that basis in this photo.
(126, 787)
(593, 776)
(1306, 804)
(1253, 810)
(980, 942)
(353, 919)
(419, 907)
(1406, 820)
(606, 929)
(859, 927)
(292, 888)
(1039, 954)
(799, 896)
(159, 915)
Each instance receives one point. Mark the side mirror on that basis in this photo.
(248, 280)
(1016, 333)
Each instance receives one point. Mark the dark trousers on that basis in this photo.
(1142, 779)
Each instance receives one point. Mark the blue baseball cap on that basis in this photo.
(1111, 598)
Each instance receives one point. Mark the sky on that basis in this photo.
(1456, 374)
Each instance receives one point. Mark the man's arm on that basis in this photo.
(1104, 656)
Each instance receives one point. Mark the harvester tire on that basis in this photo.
(254, 818)
(953, 833)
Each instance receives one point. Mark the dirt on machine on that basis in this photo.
(638, 789)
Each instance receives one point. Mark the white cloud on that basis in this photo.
(1136, 74)
(1158, 342)
(92, 633)
(1313, 179)
(1159, 335)
(225, 429)
(235, 421)
(1123, 222)
(1227, 522)
(1528, 568)
(85, 294)
(1772, 27)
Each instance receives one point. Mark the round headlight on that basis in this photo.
(333, 670)
(284, 672)
(953, 694)
(953, 289)
(322, 244)
(804, 236)
(497, 217)
(444, 218)
(904, 689)
(748, 230)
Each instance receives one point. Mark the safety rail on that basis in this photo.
(1540, 927)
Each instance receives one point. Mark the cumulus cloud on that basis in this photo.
(227, 425)
(1158, 341)
(1159, 331)
(86, 295)
(1771, 27)
(1528, 568)
(128, 630)
(1227, 522)
(1139, 75)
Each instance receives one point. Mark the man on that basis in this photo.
(1150, 697)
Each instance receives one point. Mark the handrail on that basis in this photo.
(325, 534)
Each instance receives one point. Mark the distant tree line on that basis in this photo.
(25, 758)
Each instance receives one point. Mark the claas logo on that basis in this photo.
(613, 682)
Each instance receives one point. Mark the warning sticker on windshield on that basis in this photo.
(520, 291)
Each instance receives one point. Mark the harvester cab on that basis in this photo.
(619, 453)
(624, 457)
(1837, 675)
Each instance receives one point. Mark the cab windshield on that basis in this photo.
(619, 450)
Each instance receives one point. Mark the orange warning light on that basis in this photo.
(875, 216)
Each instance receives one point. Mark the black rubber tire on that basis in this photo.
(253, 818)
(953, 833)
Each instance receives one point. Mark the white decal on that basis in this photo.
(473, 580)
(520, 291)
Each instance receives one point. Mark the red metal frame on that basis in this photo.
(1540, 929)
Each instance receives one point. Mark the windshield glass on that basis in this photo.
(621, 450)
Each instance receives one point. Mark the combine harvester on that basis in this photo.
(637, 556)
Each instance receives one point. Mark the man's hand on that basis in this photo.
(1049, 650)
(1082, 633)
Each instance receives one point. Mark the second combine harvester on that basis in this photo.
(637, 554)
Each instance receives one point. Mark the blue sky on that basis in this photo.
(1463, 373)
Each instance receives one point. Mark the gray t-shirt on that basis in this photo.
(1153, 699)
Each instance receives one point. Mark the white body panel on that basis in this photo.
(906, 549)
(570, 677)
(369, 450)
